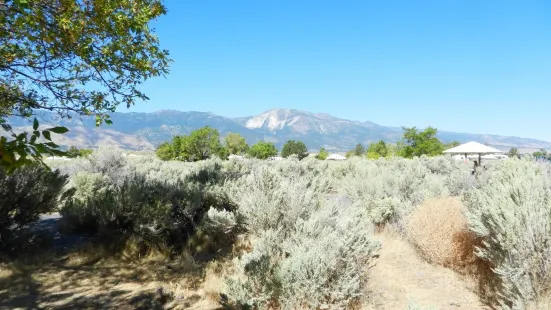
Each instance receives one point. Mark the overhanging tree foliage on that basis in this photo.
(72, 57)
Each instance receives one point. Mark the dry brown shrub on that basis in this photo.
(438, 229)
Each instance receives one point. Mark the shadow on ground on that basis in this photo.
(62, 284)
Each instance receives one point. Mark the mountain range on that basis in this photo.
(144, 131)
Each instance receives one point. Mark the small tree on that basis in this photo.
(350, 153)
(359, 150)
(74, 152)
(203, 143)
(263, 150)
(236, 143)
(513, 152)
(377, 150)
(419, 143)
(294, 147)
(164, 151)
(322, 155)
(199, 145)
(541, 154)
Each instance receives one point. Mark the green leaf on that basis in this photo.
(59, 130)
(46, 135)
(109, 122)
(35, 124)
(8, 158)
(22, 3)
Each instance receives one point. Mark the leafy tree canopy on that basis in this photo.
(72, 57)
(74, 152)
(165, 152)
(323, 154)
(419, 143)
(236, 144)
(199, 145)
(359, 150)
(263, 150)
(294, 147)
(542, 154)
(513, 152)
(378, 150)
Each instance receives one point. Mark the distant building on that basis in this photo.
(336, 157)
(275, 158)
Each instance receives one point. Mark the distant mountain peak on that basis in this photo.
(146, 130)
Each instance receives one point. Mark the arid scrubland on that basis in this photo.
(391, 233)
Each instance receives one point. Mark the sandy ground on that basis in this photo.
(60, 280)
(401, 278)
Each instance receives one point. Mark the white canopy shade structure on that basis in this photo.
(473, 148)
(336, 157)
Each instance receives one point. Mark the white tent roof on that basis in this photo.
(472, 148)
(336, 157)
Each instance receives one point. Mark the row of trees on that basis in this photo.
(414, 143)
(205, 142)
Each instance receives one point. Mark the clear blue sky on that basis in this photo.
(468, 66)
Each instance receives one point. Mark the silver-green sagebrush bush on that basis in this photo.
(389, 189)
(25, 194)
(511, 211)
(308, 250)
(142, 198)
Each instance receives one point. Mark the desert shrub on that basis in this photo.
(512, 213)
(307, 251)
(439, 230)
(24, 195)
(389, 188)
(149, 202)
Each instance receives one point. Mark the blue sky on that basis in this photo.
(468, 66)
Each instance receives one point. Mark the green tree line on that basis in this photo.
(205, 142)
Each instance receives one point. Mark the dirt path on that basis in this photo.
(401, 278)
(47, 224)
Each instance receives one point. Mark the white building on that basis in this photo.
(336, 157)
